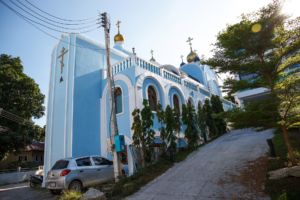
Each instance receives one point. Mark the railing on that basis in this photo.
(148, 66)
(172, 77)
(123, 65)
(204, 92)
(228, 104)
(190, 85)
(131, 61)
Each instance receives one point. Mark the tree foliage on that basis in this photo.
(264, 46)
(217, 110)
(189, 119)
(20, 95)
(209, 120)
(143, 134)
(170, 128)
(201, 121)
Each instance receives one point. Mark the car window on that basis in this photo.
(60, 164)
(83, 162)
(101, 161)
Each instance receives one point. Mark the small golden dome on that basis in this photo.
(192, 57)
(119, 38)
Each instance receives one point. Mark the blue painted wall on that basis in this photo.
(87, 89)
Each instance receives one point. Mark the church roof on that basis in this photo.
(171, 68)
(194, 71)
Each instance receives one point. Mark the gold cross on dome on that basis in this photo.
(189, 40)
(118, 25)
(152, 53)
(62, 54)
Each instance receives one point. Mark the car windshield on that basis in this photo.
(61, 164)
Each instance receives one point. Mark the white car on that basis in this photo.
(78, 173)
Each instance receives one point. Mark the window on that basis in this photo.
(101, 161)
(118, 100)
(61, 164)
(152, 98)
(176, 103)
(83, 162)
(25, 158)
(36, 158)
(190, 102)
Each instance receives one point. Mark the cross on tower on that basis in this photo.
(152, 58)
(62, 54)
(189, 40)
(118, 25)
(181, 58)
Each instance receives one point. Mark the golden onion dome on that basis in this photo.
(119, 38)
(192, 57)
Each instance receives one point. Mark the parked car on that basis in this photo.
(79, 173)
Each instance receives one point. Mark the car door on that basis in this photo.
(104, 168)
(86, 171)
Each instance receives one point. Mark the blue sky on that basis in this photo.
(161, 25)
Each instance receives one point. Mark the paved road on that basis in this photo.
(199, 176)
(22, 191)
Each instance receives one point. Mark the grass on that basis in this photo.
(70, 195)
(287, 188)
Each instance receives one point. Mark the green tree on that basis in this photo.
(288, 92)
(209, 118)
(170, 128)
(250, 47)
(177, 123)
(217, 109)
(161, 119)
(20, 95)
(143, 134)
(201, 121)
(265, 44)
(189, 119)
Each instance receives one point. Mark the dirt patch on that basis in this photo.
(252, 178)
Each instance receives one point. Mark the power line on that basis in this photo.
(49, 23)
(55, 21)
(70, 20)
(57, 38)
(28, 19)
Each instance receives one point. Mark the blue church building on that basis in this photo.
(78, 106)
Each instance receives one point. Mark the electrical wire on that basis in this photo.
(49, 23)
(28, 19)
(55, 21)
(63, 19)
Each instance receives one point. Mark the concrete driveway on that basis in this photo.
(22, 191)
(208, 172)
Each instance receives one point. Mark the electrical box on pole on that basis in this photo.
(119, 143)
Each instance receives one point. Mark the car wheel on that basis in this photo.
(55, 192)
(75, 186)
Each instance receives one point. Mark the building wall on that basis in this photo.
(73, 115)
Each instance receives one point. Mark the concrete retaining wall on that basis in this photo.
(15, 177)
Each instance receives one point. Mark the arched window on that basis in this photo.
(118, 100)
(152, 98)
(190, 102)
(176, 103)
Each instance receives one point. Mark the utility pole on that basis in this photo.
(113, 119)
